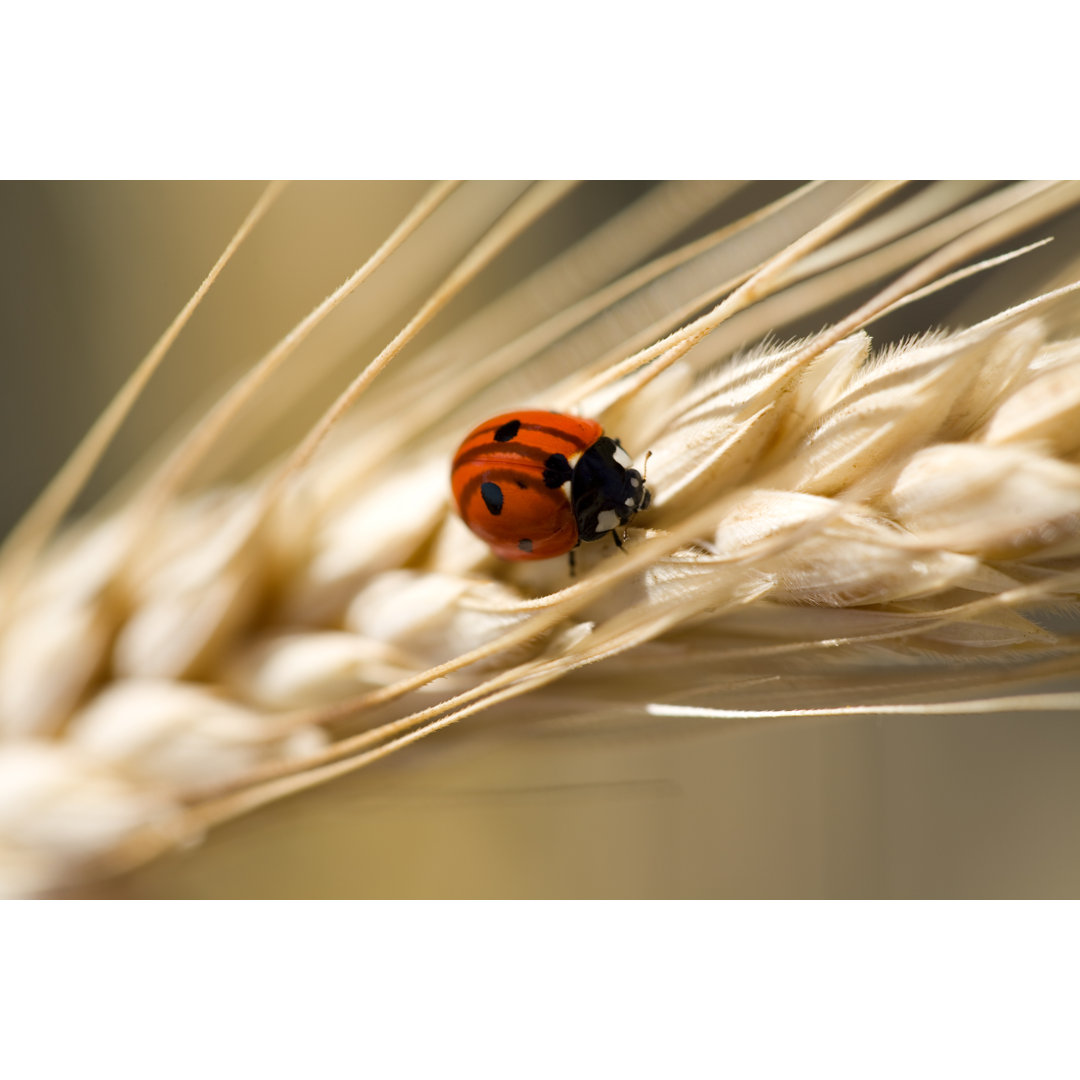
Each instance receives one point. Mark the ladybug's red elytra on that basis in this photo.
(535, 484)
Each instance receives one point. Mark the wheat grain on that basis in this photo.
(826, 514)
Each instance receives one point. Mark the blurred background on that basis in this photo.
(92, 273)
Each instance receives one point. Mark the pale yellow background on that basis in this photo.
(903, 807)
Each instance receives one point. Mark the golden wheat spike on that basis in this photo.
(838, 526)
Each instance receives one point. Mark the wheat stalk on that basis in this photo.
(829, 516)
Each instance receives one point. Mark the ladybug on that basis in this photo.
(536, 484)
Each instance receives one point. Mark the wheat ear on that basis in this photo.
(829, 515)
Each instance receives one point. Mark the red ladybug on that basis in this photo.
(535, 484)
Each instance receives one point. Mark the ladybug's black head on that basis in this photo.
(605, 490)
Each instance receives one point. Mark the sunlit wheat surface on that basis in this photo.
(838, 657)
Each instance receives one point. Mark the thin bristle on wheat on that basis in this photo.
(165, 671)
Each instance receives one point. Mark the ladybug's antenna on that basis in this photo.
(645, 465)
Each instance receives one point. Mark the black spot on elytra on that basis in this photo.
(557, 471)
(525, 545)
(508, 431)
(492, 496)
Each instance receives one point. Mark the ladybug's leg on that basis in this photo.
(619, 541)
(570, 554)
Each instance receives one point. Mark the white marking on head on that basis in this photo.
(635, 482)
(621, 457)
(628, 502)
(606, 520)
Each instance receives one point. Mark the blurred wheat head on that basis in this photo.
(837, 526)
